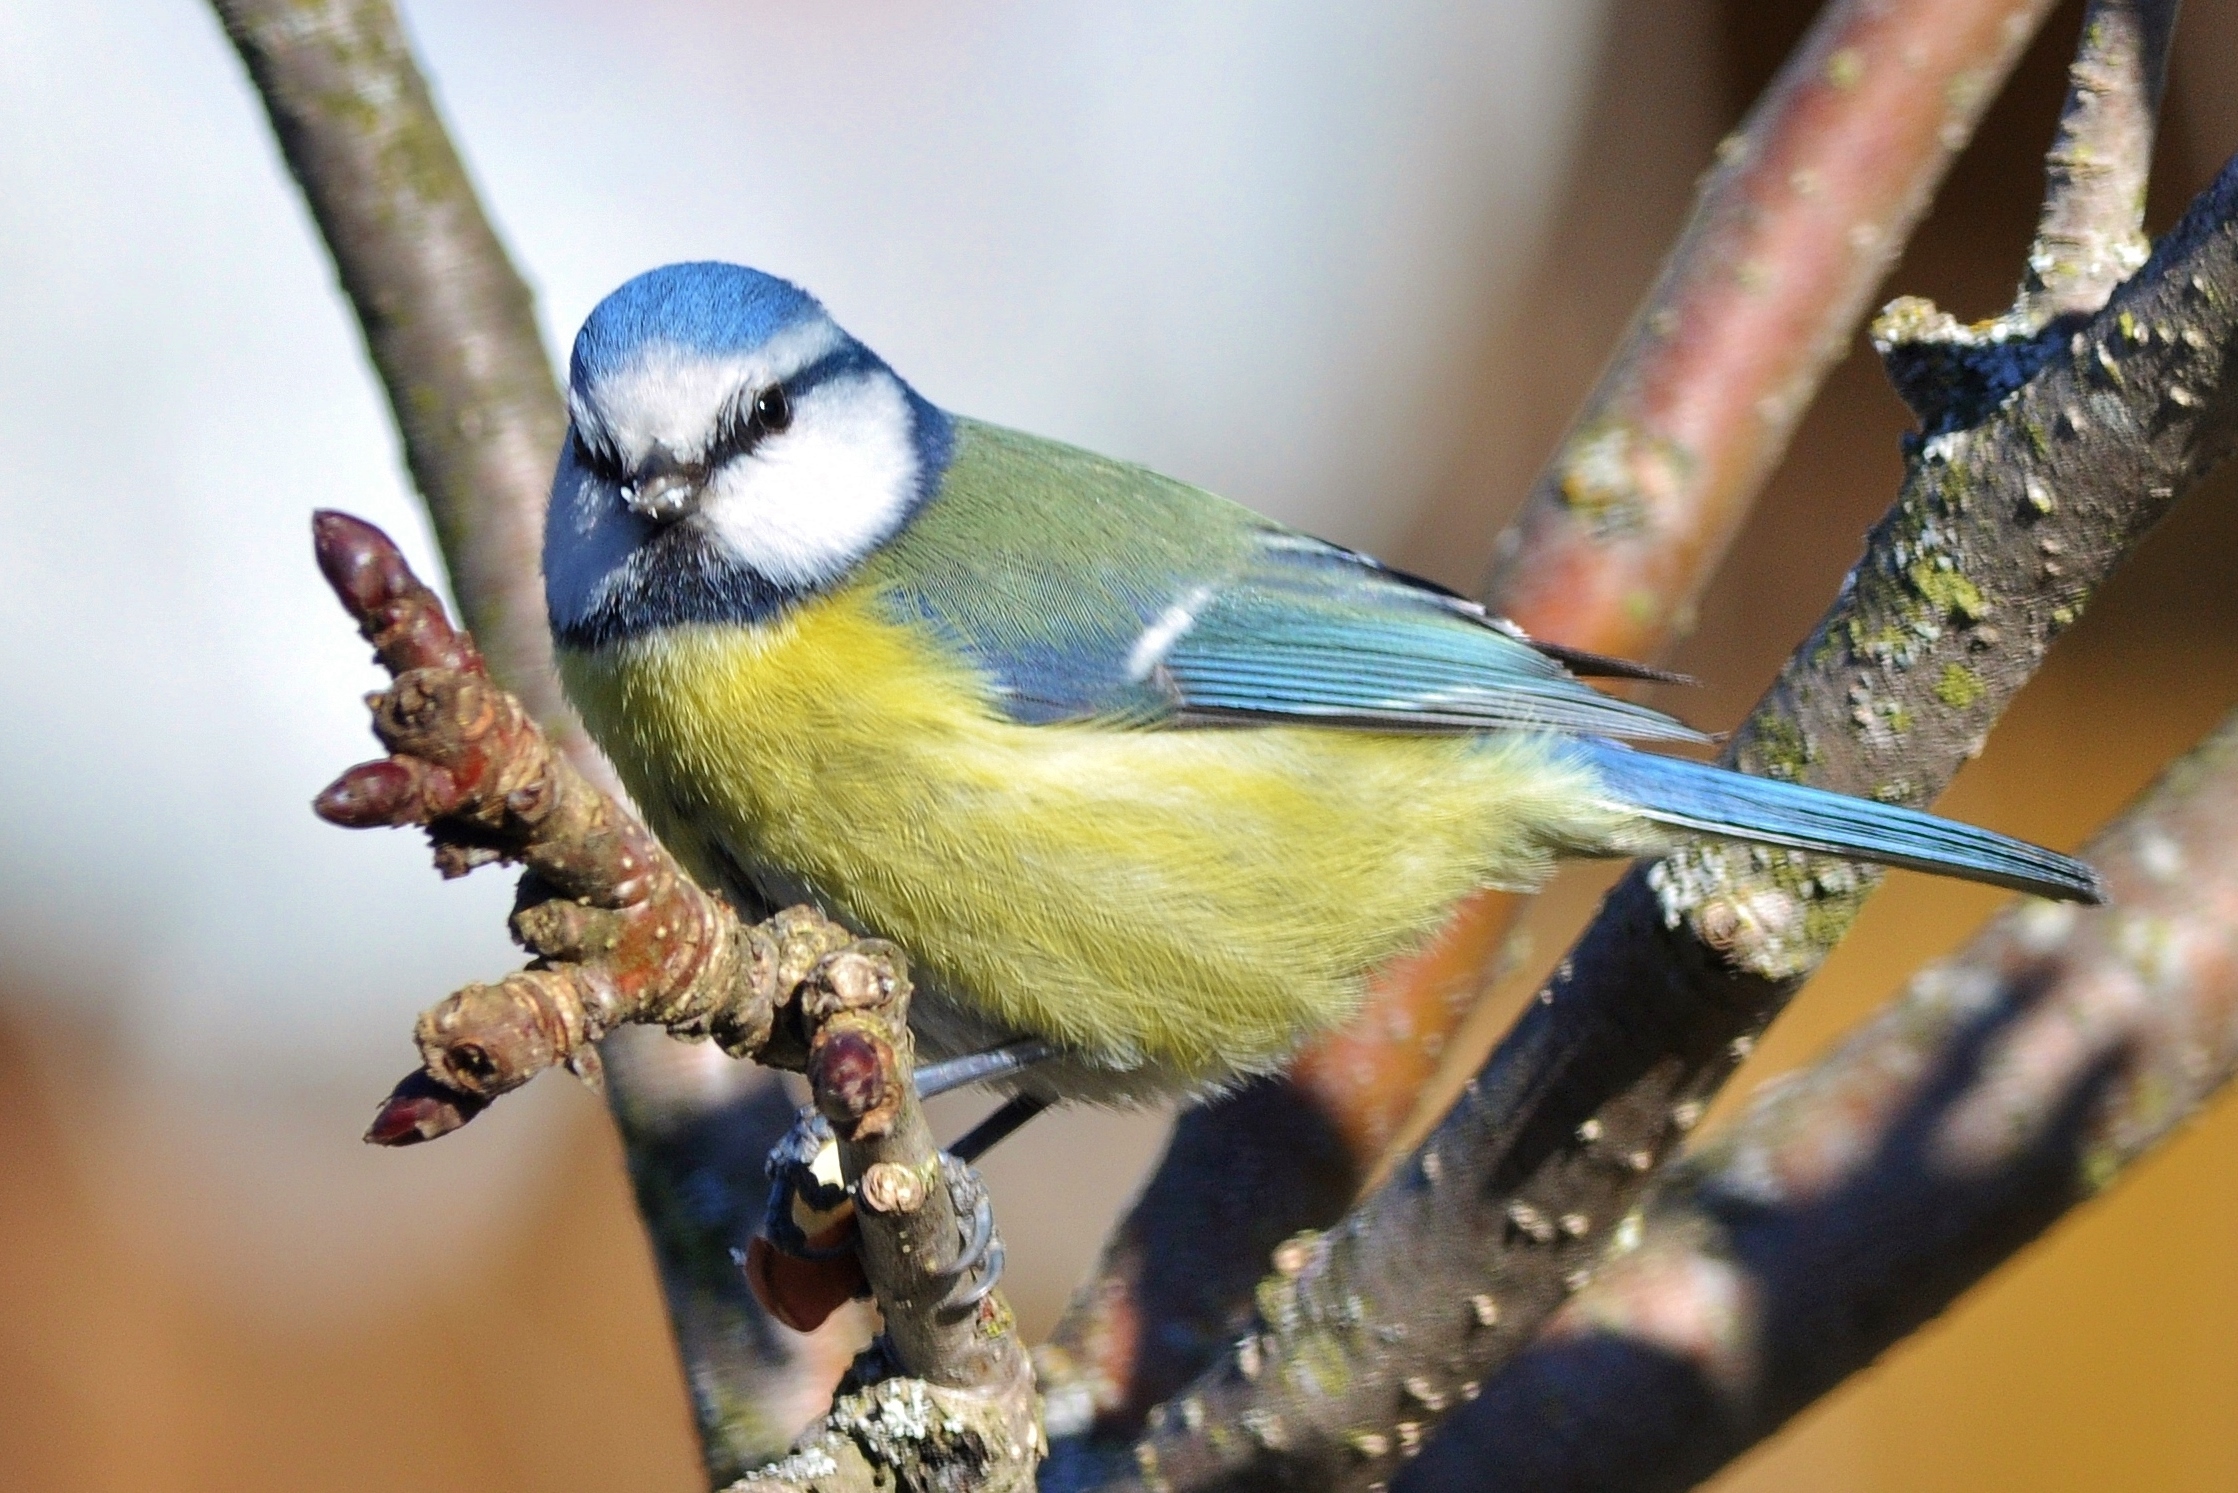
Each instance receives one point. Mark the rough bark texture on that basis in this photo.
(1850, 1204)
(2089, 238)
(1807, 206)
(2004, 529)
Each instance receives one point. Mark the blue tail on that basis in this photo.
(1736, 806)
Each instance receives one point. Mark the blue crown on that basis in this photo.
(706, 307)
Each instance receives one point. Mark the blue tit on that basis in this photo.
(1123, 766)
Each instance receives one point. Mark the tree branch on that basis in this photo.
(966, 1415)
(1851, 1204)
(622, 935)
(451, 330)
(2090, 236)
(1807, 206)
(2004, 529)
(449, 323)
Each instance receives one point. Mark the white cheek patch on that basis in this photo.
(671, 398)
(810, 502)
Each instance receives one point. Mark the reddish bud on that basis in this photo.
(400, 616)
(849, 1071)
(420, 1109)
(372, 793)
(360, 562)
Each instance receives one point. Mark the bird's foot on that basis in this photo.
(977, 1268)
(802, 1264)
(809, 1203)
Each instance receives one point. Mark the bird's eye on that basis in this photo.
(772, 410)
(748, 418)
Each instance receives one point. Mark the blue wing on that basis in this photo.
(1085, 588)
(1312, 630)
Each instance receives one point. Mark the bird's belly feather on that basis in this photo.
(1193, 901)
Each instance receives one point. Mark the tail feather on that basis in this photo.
(1737, 806)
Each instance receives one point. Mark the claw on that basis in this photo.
(808, 1201)
(802, 1264)
(970, 1296)
(977, 1268)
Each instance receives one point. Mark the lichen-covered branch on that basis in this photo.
(2003, 531)
(1852, 1203)
(452, 333)
(1809, 203)
(2090, 236)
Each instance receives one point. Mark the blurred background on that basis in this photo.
(1351, 264)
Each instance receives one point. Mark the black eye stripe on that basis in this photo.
(746, 419)
(595, 457)
(845, 359)
(750, 415)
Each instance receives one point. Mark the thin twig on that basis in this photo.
(1807, 206)
(2010, 1083)
(2004, 530)
(2090, 236)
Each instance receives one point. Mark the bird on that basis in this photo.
(1139, 779)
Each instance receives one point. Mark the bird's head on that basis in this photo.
(729, 449)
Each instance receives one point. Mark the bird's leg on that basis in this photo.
(935, 1079)
(997, 1127)
(807, 1200)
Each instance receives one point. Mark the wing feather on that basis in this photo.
(1084, 588)
(1316, 631)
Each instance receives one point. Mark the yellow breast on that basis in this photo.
(1198, 900)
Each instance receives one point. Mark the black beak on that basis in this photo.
(663, 497)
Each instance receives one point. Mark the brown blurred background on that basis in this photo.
(534, 1355)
